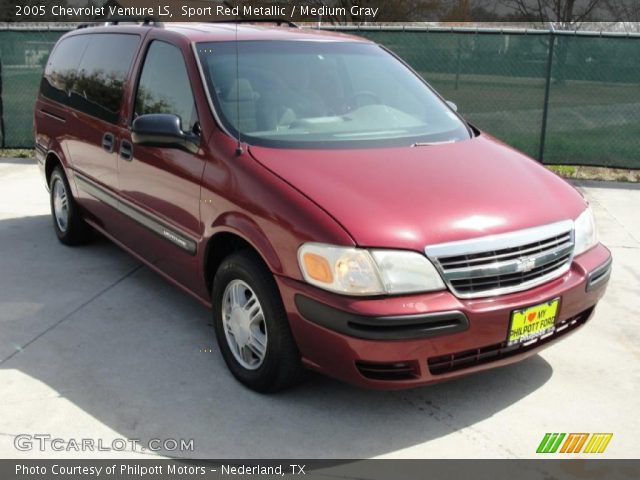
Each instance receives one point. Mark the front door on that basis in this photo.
(160, 186)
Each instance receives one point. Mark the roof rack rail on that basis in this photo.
(277, 21)
(151, 21)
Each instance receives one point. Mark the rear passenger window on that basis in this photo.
(89, 72)
(102, 75)
(164, 85)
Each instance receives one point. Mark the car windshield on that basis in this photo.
(319, 94)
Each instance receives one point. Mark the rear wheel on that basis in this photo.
(69, 226)
(251, 325)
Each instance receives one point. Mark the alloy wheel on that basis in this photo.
(244, 324)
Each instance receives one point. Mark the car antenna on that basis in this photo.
(239, 145)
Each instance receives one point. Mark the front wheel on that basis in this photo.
(251, 325)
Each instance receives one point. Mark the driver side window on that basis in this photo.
(164, 85)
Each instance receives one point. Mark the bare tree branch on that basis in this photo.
(566, 13)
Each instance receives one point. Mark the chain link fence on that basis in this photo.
(23, 55)
(563, 98)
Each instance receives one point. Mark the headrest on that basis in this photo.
(241, 90)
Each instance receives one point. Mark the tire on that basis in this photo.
(69, 226)
(241, 279)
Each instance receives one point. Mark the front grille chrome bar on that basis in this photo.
(505, 263)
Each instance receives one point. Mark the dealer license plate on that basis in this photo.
(533, 322)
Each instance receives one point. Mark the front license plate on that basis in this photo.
(533, 322)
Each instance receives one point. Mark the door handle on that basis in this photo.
(126, 150)
(107, 142)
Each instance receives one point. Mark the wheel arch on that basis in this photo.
(51, 161)
(226, 240)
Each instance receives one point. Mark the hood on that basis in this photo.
(411, 197)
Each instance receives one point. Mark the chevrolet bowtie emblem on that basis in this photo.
(525, 264)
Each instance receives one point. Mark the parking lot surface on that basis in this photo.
(95, 346)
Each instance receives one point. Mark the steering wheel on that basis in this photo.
(353, 102)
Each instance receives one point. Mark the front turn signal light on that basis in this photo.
(317, 268)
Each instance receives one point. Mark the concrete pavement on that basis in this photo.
(93, 345)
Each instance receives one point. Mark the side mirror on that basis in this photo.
(163, 130)
(453, 106)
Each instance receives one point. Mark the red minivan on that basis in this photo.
(333, 210)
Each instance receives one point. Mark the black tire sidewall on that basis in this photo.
(282, 359)
(77, 231)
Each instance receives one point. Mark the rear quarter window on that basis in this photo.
(62, 67)
(89, 73)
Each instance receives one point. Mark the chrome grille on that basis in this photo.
(505, 263)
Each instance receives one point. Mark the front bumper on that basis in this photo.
(407, 341)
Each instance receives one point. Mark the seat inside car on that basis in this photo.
(241, 99)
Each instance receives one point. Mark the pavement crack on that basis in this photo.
(71, 313)
(447, 418)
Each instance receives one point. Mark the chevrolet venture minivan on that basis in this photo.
(331, 208)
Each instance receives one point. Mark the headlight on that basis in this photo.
(586, 236)
(355, 271)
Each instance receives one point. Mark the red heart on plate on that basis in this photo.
(532, 316)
